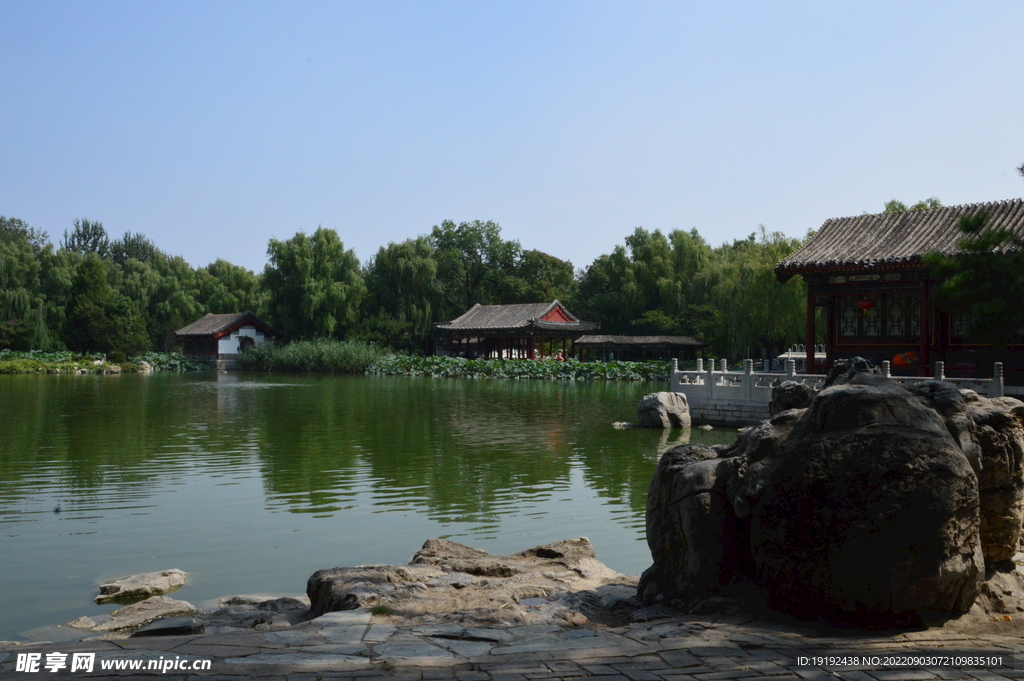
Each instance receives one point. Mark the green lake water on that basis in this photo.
(250, 483)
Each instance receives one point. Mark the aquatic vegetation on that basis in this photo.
(451, 367)
(316, 356)
(66, 361)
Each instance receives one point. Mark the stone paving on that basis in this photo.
(352, 645)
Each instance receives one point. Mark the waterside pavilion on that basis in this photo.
(224, 336)
(638, 348)
(867, 274)
(512, 331)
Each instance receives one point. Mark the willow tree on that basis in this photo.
(403, 295)
(315, 286)
(750, 309)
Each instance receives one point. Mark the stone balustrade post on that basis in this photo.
(725, 365)
(709, 382)
(748, 380)
(886, 369)
(996, 387)
(790, 368)
(940, 371)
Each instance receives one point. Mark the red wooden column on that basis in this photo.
(924, 367)
(809, 336)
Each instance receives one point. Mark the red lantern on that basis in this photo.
(865, 305)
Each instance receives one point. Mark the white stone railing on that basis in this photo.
(707, 386)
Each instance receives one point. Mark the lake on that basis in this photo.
(250, 483)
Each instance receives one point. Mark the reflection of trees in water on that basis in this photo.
(464, 450)
(103, 436)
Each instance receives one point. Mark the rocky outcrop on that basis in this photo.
(142, 613)
(555, 583)
(141, 586)
(663, 410)
(872, 502)
(790, 395)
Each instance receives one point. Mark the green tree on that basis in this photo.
(87, 237)
(315, 286)
(542, 277)
(224, 287)
(651, 285)
(474, 265)
(13, 230)
(895, 206)
(98, 318)
(749, 309)
(132, 247)
(403, 295)
(985, 280)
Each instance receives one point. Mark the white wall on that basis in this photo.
(229, 344)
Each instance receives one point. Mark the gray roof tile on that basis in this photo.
(212, 324)
(894, 238)
(519, 316)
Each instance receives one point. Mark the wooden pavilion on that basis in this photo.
(512, 331)
(637, 348)
(867, 274)
(224, 336)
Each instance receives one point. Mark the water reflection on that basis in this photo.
(218, 472)
(464, 450)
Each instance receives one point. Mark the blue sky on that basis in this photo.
(212, 127)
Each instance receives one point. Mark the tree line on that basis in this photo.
(121, 296)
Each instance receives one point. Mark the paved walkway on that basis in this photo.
(347, 645)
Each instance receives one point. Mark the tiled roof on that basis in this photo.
(213, 324)
(686, 341)
(520, 316)
(894, 238)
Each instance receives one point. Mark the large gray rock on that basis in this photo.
(663, 410)
(873, 502)
(141, 585)
(698, 542)
(560, 583)
(141, 613)
(790, 395)
(868, 507)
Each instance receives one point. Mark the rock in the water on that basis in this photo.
(663, 410)
(141, 586)
(872, 502)
(790, 395)
(144, 612)
(170, 626)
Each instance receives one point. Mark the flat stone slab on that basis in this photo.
(344, 634)
(360, 616)
(302, 661)
(54, 632)
(141, 585)
(466, 648)
(171, 626)
(411, 649)
(144, 612)
(289, 636)
(378, 633)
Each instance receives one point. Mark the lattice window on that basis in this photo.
(873, 317)
(913, 308)
(961, 323)
(848, 317)
(902, 315)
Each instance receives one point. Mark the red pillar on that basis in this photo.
(810, 328)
